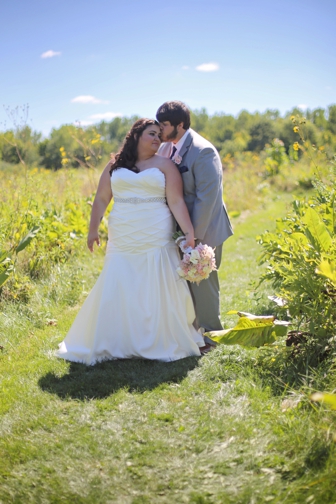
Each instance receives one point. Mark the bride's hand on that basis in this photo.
(189, 242)
(92, 237)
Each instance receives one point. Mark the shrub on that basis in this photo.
(301, 261)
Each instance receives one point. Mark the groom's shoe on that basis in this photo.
(206, 349)
(209, 341)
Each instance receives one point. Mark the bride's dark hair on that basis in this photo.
(127, 155)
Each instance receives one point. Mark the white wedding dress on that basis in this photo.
(139, 306)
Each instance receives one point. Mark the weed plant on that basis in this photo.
(301, 265)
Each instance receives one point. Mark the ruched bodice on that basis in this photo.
(139, 306)
(140, 219)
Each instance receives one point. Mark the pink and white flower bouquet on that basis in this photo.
(197, 263)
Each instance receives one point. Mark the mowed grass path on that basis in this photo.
(207, 430)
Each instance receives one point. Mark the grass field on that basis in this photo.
(224, 428)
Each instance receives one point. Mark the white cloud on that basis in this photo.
(50, 54)
(208, 67)
(303, 106)
(87, 99)
(185, 67)
(105, 116)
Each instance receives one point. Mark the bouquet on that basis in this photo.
(197, 263)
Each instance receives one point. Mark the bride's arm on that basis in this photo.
(174, 195)
(102, 199)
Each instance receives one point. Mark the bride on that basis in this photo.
(139, 306)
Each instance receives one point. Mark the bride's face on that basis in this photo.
(150, 139)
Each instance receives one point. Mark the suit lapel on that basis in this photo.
(186, 145)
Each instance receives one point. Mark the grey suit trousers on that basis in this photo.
(206, 298)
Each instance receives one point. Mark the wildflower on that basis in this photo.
(292, 118)
(296, 146)
(296, 129)
(96, 139)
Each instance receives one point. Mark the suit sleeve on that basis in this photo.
(208, 183)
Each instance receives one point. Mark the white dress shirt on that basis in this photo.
(180, 143)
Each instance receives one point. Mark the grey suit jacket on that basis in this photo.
(202, 174)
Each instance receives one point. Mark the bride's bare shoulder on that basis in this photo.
(163, 162)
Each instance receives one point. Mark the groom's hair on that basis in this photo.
(175, 112)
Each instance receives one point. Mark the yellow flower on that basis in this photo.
(296, 129)
(296, 146)
(321, 148)
(292, 118)
(273, 360)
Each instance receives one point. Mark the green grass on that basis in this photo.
(240, 271)
(220, 429)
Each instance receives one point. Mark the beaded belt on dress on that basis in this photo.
(135, 201)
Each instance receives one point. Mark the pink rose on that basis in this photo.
(177, 158)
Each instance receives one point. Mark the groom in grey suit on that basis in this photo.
(200, 166)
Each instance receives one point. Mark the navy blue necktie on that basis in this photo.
(173, 152)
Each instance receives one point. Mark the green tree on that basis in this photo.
(199, 120)
(20, 146)
(262, 132)
(244, 121)
(220, 128)
(319, 119)
(331, 125)
(50, 148)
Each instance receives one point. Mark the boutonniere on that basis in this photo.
(176, 158)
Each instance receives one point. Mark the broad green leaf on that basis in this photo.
(3, 256)
(267, 319)
(250, 333)
(324, 397)
(300, 238)
(6, 269)
(316, 231)
(27, 239)
(327, 269)
(4, 277)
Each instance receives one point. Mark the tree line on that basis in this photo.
(76, 146)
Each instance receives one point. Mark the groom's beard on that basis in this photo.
(172, 135)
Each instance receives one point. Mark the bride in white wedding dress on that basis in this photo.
(139, 306)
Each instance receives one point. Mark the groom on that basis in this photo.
(201, 169)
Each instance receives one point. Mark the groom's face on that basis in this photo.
(169, 133)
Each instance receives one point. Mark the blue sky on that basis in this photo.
(80, 60)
